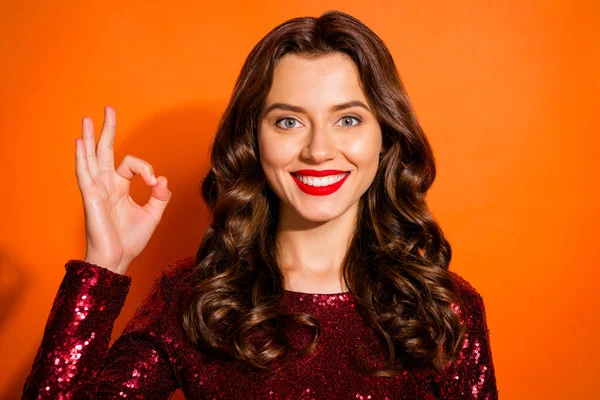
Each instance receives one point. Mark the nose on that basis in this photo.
(321, 145)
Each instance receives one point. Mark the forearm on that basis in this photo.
(77, 331)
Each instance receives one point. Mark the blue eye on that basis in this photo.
(347, 121)
(289, 123)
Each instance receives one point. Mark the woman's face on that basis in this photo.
(316, 118)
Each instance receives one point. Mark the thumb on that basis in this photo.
(159, 198)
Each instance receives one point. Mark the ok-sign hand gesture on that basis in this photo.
(117, 228)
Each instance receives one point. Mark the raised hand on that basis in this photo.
(117, 228)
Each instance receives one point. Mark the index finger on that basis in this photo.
(105, 151)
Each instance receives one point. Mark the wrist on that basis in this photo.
(118, 267)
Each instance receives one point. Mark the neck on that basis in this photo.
(310, 254)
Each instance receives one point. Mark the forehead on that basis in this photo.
(315, 82)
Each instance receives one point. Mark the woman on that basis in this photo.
(322, 274)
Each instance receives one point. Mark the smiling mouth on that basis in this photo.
(323, 181)
(319, 186)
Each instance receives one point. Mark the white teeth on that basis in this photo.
(322, 181)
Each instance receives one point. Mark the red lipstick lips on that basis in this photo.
(319, 190)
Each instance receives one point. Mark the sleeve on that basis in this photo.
(73, 360)
(472, 374)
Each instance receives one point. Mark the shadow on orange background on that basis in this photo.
(506, 93)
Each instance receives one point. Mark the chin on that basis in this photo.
(323, 215)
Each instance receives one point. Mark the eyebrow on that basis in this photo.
(334, 108)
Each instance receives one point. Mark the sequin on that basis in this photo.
(151, 359)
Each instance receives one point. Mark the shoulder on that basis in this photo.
(175, 275)
(161, 301)
(472, 308)
(167, 287)
(178, 269)
(465, 288)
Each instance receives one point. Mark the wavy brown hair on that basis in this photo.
(397, 265)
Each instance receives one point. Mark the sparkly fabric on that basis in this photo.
(151, 359)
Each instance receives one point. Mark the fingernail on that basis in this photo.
(153, 178)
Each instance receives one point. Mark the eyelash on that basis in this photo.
(344, 116)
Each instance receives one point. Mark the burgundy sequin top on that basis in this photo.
(151, 359)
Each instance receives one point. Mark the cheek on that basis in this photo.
(363, 151)
(275, 152)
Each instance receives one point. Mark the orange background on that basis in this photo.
(506, 93)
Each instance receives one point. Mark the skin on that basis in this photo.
(117, 229)
(314, 231)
